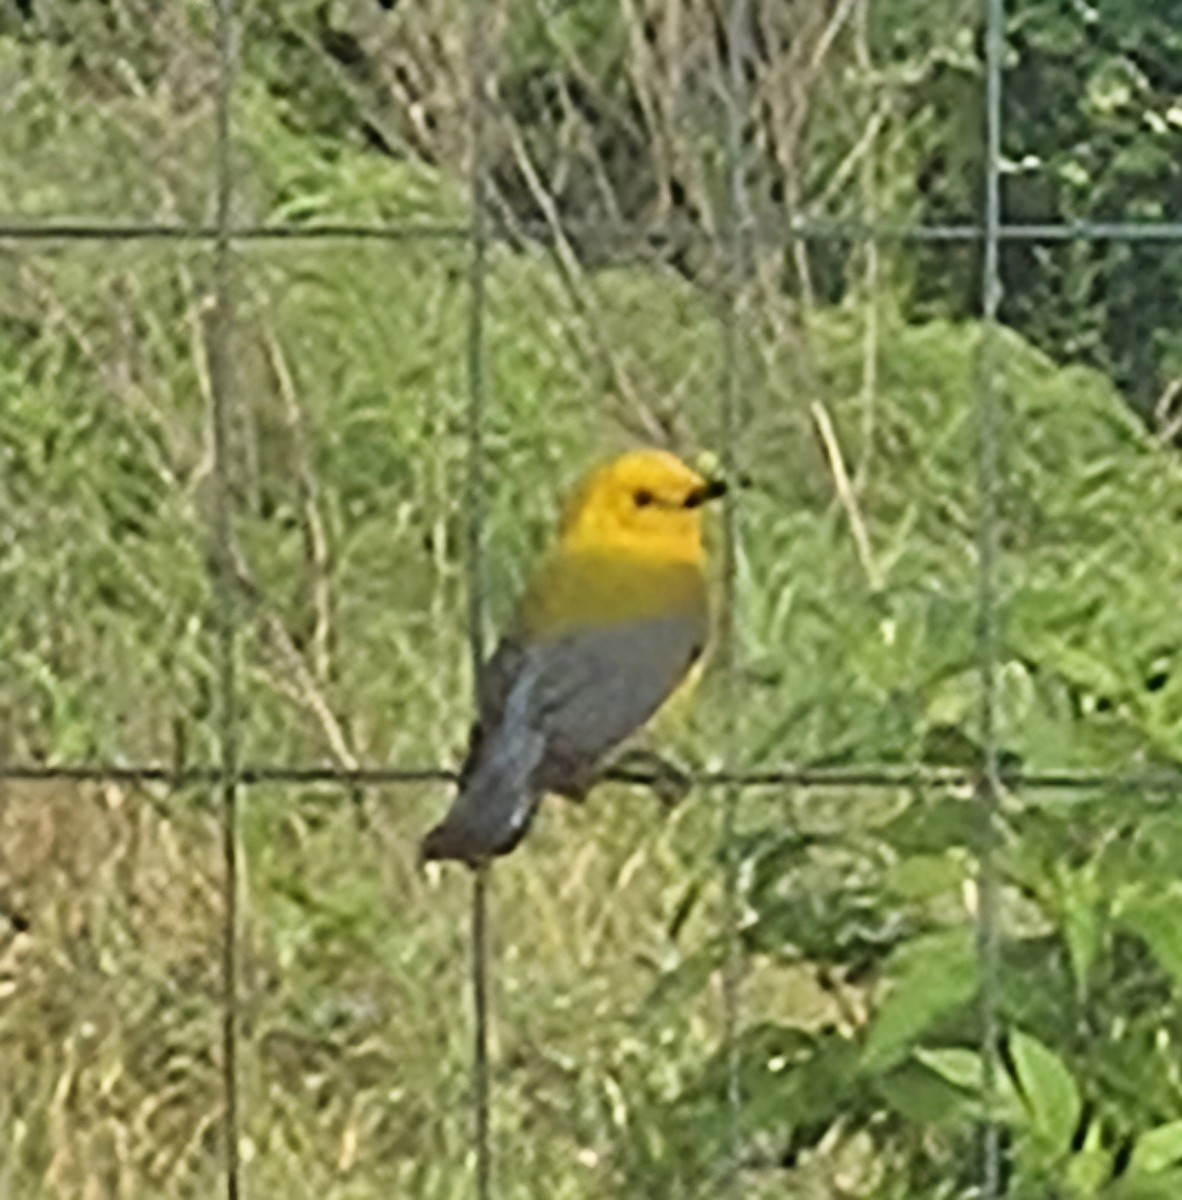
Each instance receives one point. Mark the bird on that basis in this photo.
(613, 619)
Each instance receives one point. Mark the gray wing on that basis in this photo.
(549, 713)
(600, 685)
(497, 800)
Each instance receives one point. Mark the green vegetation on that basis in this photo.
(859, 1066)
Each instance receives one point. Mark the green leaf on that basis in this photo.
(963, 1069)
(1156, 917)
(1049, 1090)
(933, 976)
(1157, 1149)
(1167, 1186)
(1077, 899)
(920, 1095)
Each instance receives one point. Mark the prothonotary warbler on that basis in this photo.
(612, 621)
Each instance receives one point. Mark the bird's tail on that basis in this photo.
(497, 799)
(494, 808)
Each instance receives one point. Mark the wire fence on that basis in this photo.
(221, 390)
(230, 774)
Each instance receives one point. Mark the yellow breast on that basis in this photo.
(573, 589)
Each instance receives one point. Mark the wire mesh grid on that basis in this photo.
(743, 232)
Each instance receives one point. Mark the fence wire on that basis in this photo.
(738, 260)
(763, 233)
(474, 507)
(222, 399)
(989, 432)
(787, 775)
(744, 233)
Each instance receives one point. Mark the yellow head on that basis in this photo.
(647, 501)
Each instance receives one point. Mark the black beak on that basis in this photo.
(710, 490)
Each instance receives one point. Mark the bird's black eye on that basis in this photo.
(643, 498)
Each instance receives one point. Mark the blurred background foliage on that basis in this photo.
(857, 596)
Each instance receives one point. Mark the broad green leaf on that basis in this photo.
(1051, 1096)
(933, 976)
(1157, 1149)
(1156, 916)
(920, 1095)
(1166, 1186)
(963, 1069)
